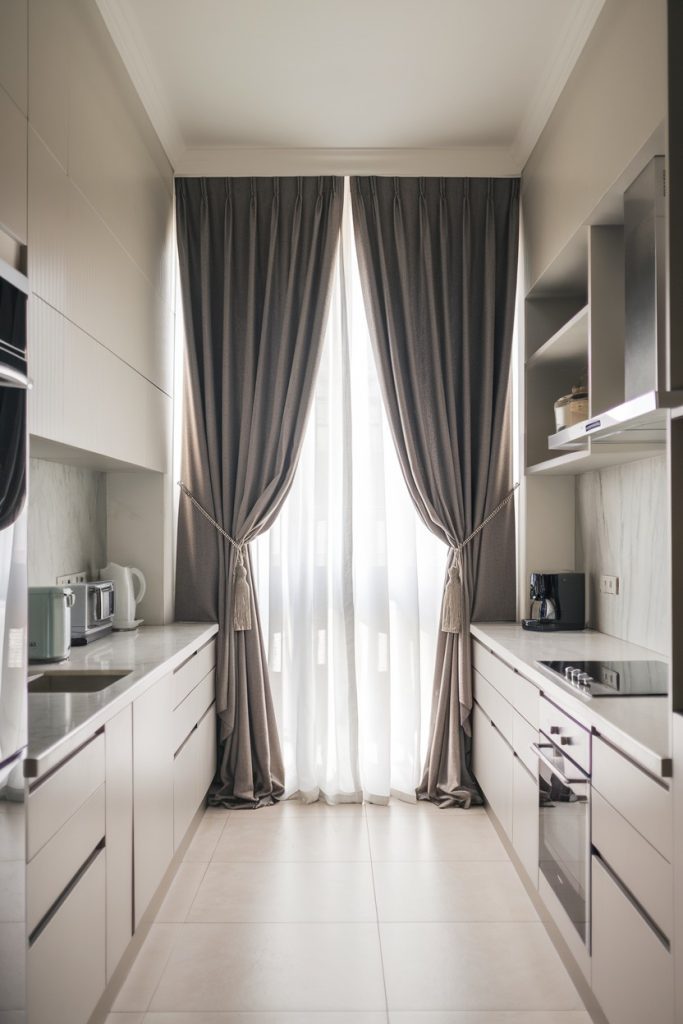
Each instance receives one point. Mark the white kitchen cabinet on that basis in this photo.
(492, 763)
(66, 960)
(193, 769)
(644, 801)
(13, 168)
(118, 735)
(55, 799)
(632, 973)
(152, 791)
(525, 818)
(14, 51)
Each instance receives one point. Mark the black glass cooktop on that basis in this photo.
(613, 678)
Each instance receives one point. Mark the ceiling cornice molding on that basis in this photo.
(238, 161)
(246, 160)
(138, 63)
(558, 69)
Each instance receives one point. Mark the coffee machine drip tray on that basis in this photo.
(612, 678)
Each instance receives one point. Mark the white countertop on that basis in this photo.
(59, 722)
(640, 726)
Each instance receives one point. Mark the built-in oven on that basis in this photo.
(564, 766)
(13, 639)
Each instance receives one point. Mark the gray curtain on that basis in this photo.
(256, 257)
(438, 262)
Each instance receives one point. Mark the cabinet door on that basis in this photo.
(194, 766)
(632, 969)
(492, 762)
(65, 964)
(525, 818)
(118, 736)
(152, 791)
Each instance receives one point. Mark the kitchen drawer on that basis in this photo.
(51, 870)
(53, 800)
(642, 800)
(525, 818)
(192, 671)
(187, 714)
(525, 699)
(632, 972)
(523, 735)
(65, 963)
(492, 764)
(644, 871)
(193, 770)
(495, 706)
(517, 690)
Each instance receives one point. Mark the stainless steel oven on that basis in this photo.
(564, 763)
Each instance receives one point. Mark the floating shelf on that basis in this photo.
(573, 463)
(568, 345)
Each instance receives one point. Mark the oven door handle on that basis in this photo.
(11, 378)
(553, 768)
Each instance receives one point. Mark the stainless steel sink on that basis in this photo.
(75, 682)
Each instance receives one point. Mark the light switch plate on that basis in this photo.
(72, 577)
(609, 584)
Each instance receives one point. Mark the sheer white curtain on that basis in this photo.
(349, 584)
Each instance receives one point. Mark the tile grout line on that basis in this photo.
(379, 933)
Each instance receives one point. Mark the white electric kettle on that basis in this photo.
(125, 597)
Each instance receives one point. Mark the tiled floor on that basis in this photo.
(302, 914)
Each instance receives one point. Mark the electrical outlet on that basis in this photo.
(609, 585)
(72, 577)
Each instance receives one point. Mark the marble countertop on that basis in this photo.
(58, 723)
(640, 726)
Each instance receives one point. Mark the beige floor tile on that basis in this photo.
(474, 966)
(277, 1017)
(299, 809)
(208, 833)
(125, 1018)
(488, 1017)
(334, 838)
(182, 891)
(273, 967)
(451, 891)
(464, 836)
(143, 977)
(285, 891)
(396, 807)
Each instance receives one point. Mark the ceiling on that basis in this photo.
(299, 86)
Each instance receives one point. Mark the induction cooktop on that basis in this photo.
(613, 678)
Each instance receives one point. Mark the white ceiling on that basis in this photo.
(296, 86)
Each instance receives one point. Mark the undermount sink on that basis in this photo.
(75, 682)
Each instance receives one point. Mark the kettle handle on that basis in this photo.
(143, 584)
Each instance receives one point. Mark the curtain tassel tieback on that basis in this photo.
(241, 618)
(451, 618)
(241, 615)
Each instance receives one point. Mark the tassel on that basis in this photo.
(451, 619)
(242, 612)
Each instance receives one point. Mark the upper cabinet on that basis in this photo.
(598, 388)
(13, 127)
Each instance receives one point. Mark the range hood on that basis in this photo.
(641, 420)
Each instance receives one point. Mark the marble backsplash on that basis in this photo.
(67, 521)
(621, 530)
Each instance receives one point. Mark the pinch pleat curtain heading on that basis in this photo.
(256, 258)
(438, 264)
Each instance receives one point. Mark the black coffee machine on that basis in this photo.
(557, 601)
